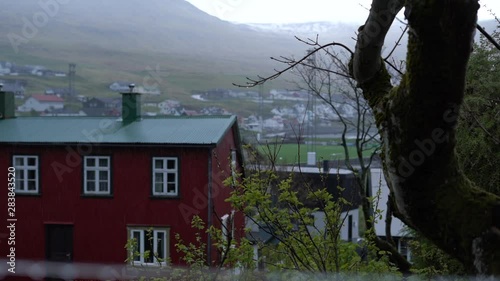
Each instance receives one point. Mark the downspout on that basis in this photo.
(210, 211)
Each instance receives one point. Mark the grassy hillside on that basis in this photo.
(166, 42)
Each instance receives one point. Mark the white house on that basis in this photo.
(120, 86)
(283, 111)
(350, 230)
(5, 67)
(168, 106)
(42, 103)
(380, 193)
(275, 123)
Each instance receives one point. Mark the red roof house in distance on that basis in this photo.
(41, 103)
(86, 185)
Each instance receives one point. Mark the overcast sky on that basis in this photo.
(285, 11)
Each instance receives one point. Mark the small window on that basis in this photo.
(97, 175)
(151, 246)
(165, 176)
(26, 174)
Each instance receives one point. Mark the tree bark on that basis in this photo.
(417, 123)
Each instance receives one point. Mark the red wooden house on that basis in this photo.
(85, 185)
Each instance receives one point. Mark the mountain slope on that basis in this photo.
(124, 40)
(169, 27)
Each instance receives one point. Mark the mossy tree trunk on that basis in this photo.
(417, 121)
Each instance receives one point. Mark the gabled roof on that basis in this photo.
(47, 98)
(168, 130)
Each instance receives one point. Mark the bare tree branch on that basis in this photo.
(488, 36)
(397, 44)
(262, 80)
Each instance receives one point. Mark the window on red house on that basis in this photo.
(151, 245)
(26, 174)
(165, 176)
(97, 175)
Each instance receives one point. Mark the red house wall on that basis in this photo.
(221, 166)
(100, 223)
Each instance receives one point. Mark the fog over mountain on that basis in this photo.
(345, 33)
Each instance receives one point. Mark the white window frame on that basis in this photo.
(97, 169)
(143, 238)
(165, 172)
(22, 185)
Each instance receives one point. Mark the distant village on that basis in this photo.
(12, 69)
(289, 108)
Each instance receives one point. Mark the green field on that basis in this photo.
(294, 153)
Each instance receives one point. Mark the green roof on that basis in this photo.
(192, 130)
